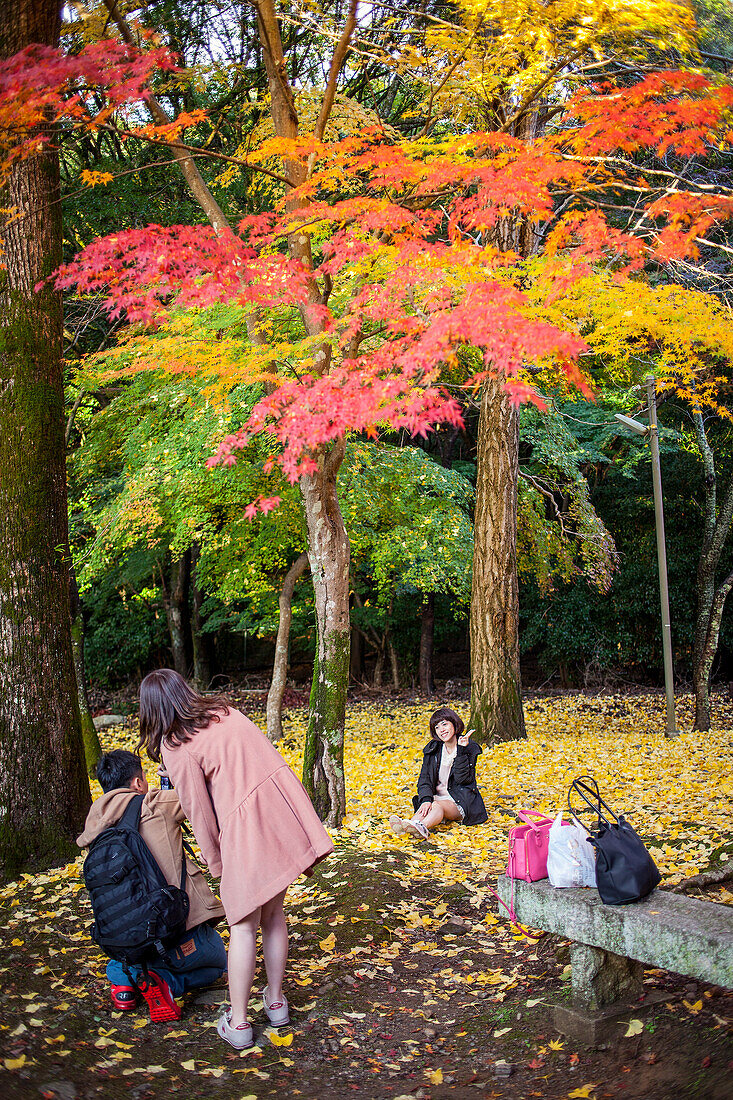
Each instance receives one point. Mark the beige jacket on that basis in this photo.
(160, 828)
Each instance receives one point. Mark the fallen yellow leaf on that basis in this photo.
(635, 1028)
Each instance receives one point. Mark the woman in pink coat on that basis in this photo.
(254, 823)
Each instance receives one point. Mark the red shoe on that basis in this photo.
(159, 997)
(124, 997)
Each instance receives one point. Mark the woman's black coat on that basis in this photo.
(461, 781)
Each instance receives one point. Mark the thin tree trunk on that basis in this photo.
(427, 638)
(378, 668)
(182, 156)
(496, 693)
(175, 601)
(200, 640)
(710, 599)
(90, 737)
(394, 664)
(704, 662)
(282, 646)
(44, 790)
(329, 553)
(328, 543)
(356, 658)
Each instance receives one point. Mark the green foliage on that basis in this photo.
(409, 521)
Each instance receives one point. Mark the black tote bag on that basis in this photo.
(625, 871)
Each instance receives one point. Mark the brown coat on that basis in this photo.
(254, 822)
(160, 827)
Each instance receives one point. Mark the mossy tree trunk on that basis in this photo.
(496, 693)
(44, 790)
(710, 594)
(328, 543)
(329, 553)
(282, 648)
(90, 737)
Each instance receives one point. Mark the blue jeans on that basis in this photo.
(199, 959)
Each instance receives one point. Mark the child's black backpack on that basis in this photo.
(137, 915)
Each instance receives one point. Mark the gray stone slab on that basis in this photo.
(681, 934)
(106, 721)
(591, 1026)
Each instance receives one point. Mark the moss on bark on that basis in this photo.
(323, 770)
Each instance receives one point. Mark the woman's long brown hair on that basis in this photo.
(171, 711)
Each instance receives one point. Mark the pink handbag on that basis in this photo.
(528, 846)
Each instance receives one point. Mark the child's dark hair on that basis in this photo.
(116, 769)
(445, 714)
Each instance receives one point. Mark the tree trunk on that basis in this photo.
(710, 600)
(704, 659)
(394, 664)
(328, 544)
(356, 657)
(427, 638)
(329, 554)
(89, 735)
(378, 668)
(183, 158)
(175, 601)
(496, 697)
(200, 640)
(44, 791)
(496, 694)
(282, 646)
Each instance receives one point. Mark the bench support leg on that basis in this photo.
(601, 978)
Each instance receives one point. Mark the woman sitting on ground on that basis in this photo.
(446, 789)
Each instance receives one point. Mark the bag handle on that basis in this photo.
(527, 815)
(584, 786)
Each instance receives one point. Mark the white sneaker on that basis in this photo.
(397, 825)
(238, 1037)
(277, 1012)
(416, 828)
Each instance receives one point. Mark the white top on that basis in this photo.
(446, 763)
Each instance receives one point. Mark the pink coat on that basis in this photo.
(252, 818)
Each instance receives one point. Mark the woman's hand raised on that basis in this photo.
(465, 739)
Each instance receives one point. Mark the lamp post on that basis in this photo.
(650, 431)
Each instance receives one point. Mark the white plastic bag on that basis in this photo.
(571, 860)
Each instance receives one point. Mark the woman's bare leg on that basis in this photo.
(241, 965)
(440, 810)
(274, 945)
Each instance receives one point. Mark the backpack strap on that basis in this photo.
(131, 816)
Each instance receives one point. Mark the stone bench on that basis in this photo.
(611, 943)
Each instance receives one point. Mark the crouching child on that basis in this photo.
(124, 876)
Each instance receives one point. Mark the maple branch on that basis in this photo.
(211, 154)
(339, 55)
(714, 244)
(193, 177)
(547, 493)
(534, 92)
(446, 78)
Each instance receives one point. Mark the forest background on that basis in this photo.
(180, 563)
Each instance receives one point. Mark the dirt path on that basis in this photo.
(398, 989)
